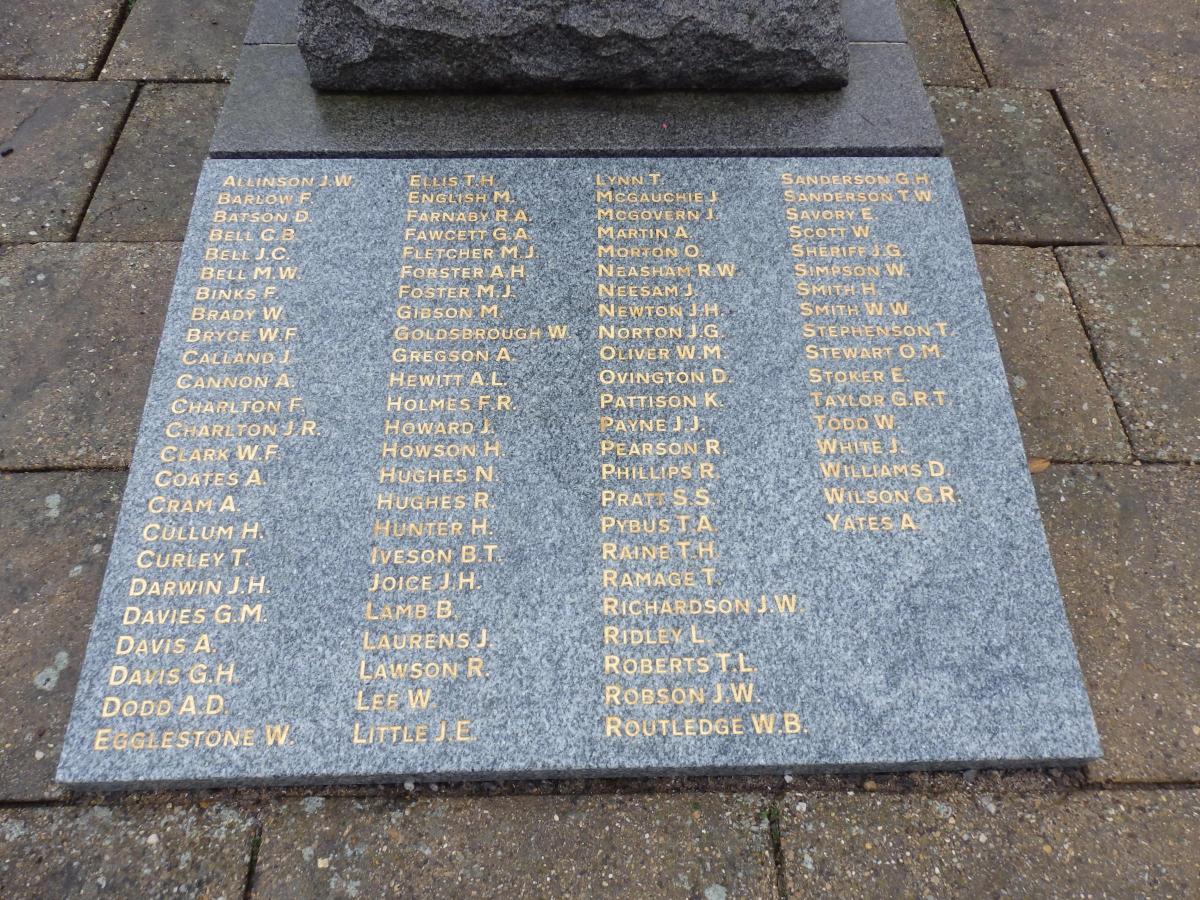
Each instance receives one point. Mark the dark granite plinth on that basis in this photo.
(472, 468)
(273, 22)
(865, 20)
(272, 110)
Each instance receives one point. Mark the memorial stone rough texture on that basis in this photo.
(515, 45)
(534, 467)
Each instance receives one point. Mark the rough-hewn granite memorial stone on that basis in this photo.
(534, 467)
(520, 45)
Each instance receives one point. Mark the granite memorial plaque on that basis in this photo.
(468, 468)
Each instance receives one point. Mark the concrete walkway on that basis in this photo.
(1072, 126)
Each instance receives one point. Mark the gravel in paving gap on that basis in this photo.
(714, 846)
(1076, 844)
(1141, 306)
(81, 325)
(1020, 176)
(1123, 540)
(147, 189)
(939, 44)
(61, 39)
(1062, 403)
(1143, 147)
(56, 528)
(1068, 43)
(125, 851)
(179, 40)
(54, 139)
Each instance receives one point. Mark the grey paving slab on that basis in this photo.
(662, 845)
(939, 43)
(1059, 43)
(80, 324)
(54, 139)
(1021, 179)
(113, 851)
(272, 22)
(1140, 308)
(62, 39)
(146, 191)
(1124, 545)
(1142, 148)
(271, 110)
(1081, 844)
(55, 528)
(861, 529)
(179, 40)
(1061, 400)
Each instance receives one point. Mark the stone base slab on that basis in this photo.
(271, 110)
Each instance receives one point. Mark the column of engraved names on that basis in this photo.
(467, 245)
(870, 356)
(663, 388)
(235, 410)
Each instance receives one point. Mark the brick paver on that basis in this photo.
(1068, 43)
(81, 324)
(179, 40)
(1083, 844)
(1061, 400)
(1021, 179)
(54, 139)
(1141, 306)
(169, 850)
(55, 528)
(63, 39)
(1143, 147)
(939, 43)
(657, 845)
(146, 191)
(1123, 540)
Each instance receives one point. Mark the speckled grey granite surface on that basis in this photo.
(272, 110)
(872, 20)
(274, 21)
(940, 645)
